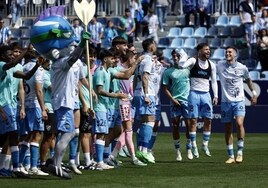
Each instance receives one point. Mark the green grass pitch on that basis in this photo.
(168, 173)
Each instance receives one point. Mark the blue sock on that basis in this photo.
(15, 156)
(106, 153)
(99, 146)
(240, 146)
(146, 132)
(193, 138)
(27, 159)
(34, 148)
(152, 141)
(73, 148)
(230, 150)
(177, 144)
(23, 149)
(188, 144)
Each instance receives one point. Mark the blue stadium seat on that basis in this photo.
(37, 2)
(212, 32)
(167, 53)
(250, 63)
(225, 32)
(215, 43)
(15, 34)
(190, 43)
(176, 43)
(228, 42)
(187, 32)
(218, 54)
(254, 75)
(265, 75)
(192, 53)
(25, 33)
(27, 23)
(202, 40)
(243, 54)
(222, 21)
(174, 32)
(200, 32)
(163, 42)
(238, 32)
(235, 21)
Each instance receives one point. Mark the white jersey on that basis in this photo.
(64, 81)
(30, 85)
(147, 65)
(231, 79)
(201, 84)
(159, 70)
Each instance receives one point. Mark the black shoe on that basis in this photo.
(19, 174)
(44, 168)
(56, 171)
(89, 167)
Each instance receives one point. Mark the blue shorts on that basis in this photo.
(114, 118)
(34, 119)
(76, 106)
(10, 124)
(200, 105)
(231, 109)
(133, 112)
(158, 112)
(177, 111)
(65, 119)
(142, 108)
(101, 123)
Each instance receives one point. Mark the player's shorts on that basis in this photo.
(34, 119)
(133, 111)
(86, 123)
(182, 110)
(231, 109)
(200, 105)
(10, 124)
(65, 119)
(22, 125)
(114, 118)
(76, 106)
(142, 108)
(158, 112)
(125, 110)
(101, 123)
(50, 124)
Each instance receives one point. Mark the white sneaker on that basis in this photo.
(206, 151)
(36, 171)
(74, 168)
(178, 155)
(137, 162)
(23, 170)
(195, 152)
(189, 154)
(150, 154)
(103, 166)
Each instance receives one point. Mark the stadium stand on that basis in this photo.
(187, 32)
(218, 55)
(254, 75)
(176, 43)
(222, 21)
(215, 43)
(200, 32)
(190, 43)
(174, 32)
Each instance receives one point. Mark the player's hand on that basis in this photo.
(85, 36)
(215, 101)
(139, 59)
(254, 100)
(92, 113)
(22, 114)
(147, 100)
(175, 102)
(122, 96)
(44, 114)
(85, 110)
(94, 96)
(40, 60)
(3, 115)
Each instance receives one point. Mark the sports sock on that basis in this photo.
(206, 137)
(152, 141)
(188, 144)
(34, 149)
(77, 158)
(87, 159)
(99, 145)
(73, 147)
(240, 146)
(27, 159)
(15, 157)
(129, 142)
(193, 138)
(176, 144)
(23, 149)
(146, 132)
(230, 150)
(61, 147)
(106, 152)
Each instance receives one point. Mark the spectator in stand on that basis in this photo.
(5, 33)
(96, 30)
(138, 14)
(16, 7)
(252, 36)
(204, 10)
(263, 20)
(262, 46)
(150, 21)
(161, 11)
(172, 5)
(221, 7)
(145, 5)
(77, 28)
(189, 7)
(109, 33)
(245, 12)
(127, 26)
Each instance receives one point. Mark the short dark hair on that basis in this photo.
(231, 47)
(106, 53)
(129, 54)
(201, 45)
(146, 44)
(118, 40)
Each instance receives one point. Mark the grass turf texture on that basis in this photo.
(167, 172)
